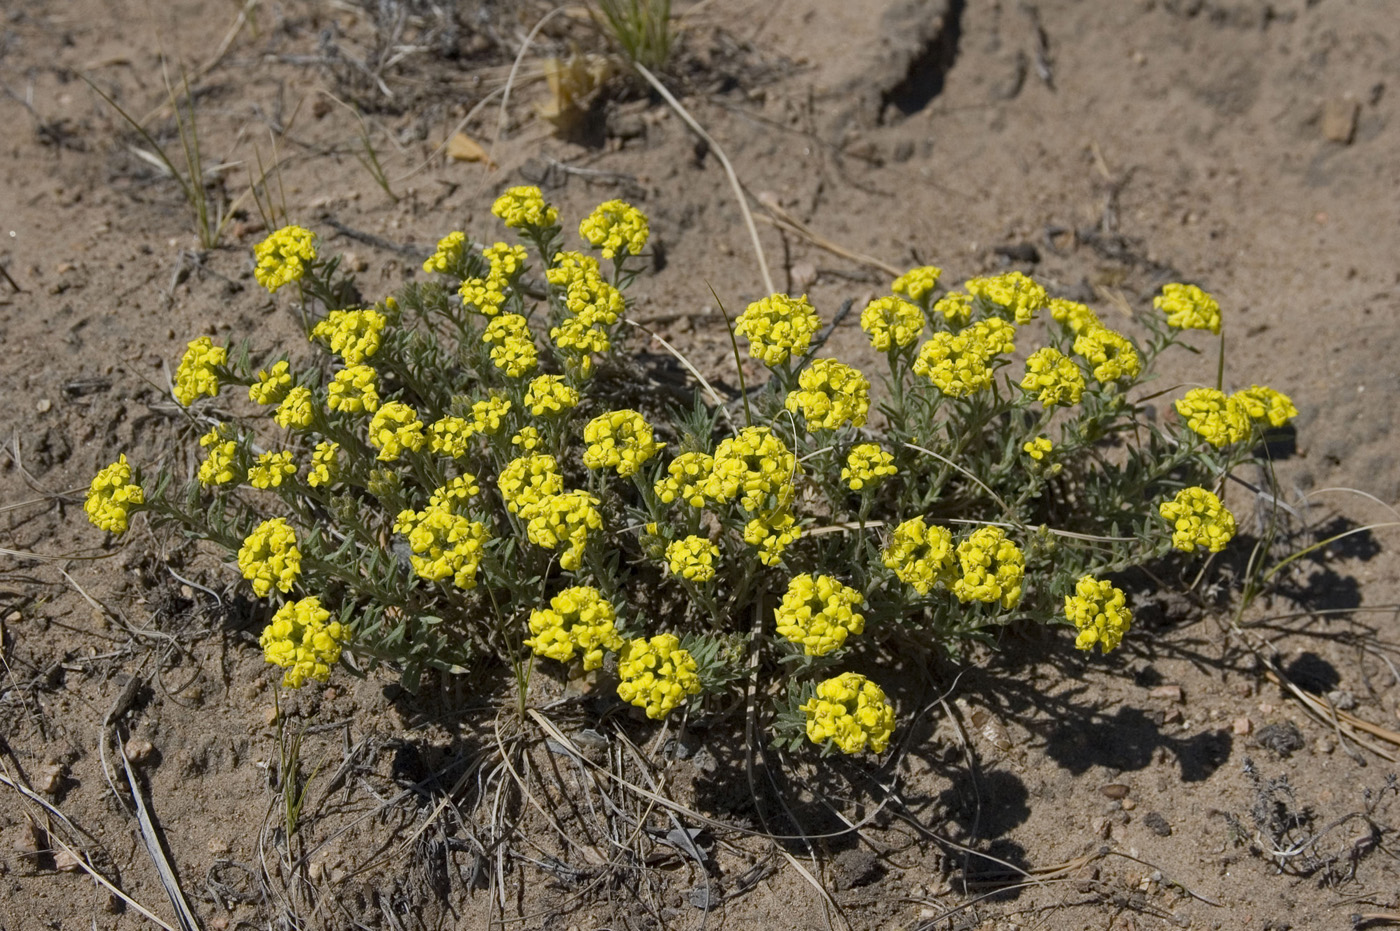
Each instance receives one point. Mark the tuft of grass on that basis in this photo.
(641, 29)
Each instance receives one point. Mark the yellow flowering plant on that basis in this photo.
(465, 471)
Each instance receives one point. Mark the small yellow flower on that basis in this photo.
(594, 302)
(527, 438)
(271, 469)
(778, 327)
(921, 555)
(1112, 355)
(771, 533)
(1218, 419)
(512, 345)
(448, 256)
(396, 428)
(892, 323)
(524, 208)
(955, 308)
(579, 620)
(198, 372)
(269, 557)
(993, 568)
(657, 675)
(485, 294)
(1265, 405)
(831, 395)
(685, 479)
(489, 415)
(445, 544)
(917, 283)
(565, 518)
(615, 226)
(527, 481)
(1100, 611)
(1188, 307)
(692, 558)
(300, 640)
(507, 261)
(620, 440)
(283, 257)
(354, 334)
(755, 467)
(866, 466)
(220, 467)
(1055, 378)
(576, 337)
(112, 496)
(1198, 519)
(296, 410)
(818, 614)
(1073, 315)
(353, 390)
(1012, 293)
(959, 364)
(550, 394)
(1038, 448)
(851, 712)
(570, 267)
(450, 436)
(272, 384)
(324, 467)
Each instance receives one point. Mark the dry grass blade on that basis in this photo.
(188, 921)
(709, 389)
(739, 193)
(784, 220)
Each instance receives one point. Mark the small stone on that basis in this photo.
(1169, 692)
(1158, 824)
(218, 846)
(1242, 727)
(1127, 804)
(804, 275)
(49, 778)
(1114, 790)
(1102, 827)
(66, 862)
(271, 715)
(1339, 119)
(1283, 739)
(856, 867)
(139, 750)
(43, 405)
(316, 871)
(1324, 745)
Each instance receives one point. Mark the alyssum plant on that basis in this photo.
(454, 481)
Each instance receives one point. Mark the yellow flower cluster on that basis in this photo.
(272, 384)
(523, 208)
(564, 518)
(396, 428)
(1265, 405)
(297, 410)
(831, 395)
(450, 436)
(657, 675)
(550, 394)
(1073, 314)
(1100, 611)
(921, 555)
(1112, 355)
(892, 323)
(916, 284)
(220, 467)
(507, 261)
(527, 438)
(755, 467)
(685, 478)
(448, 256)
(615, 226)
(955, 308)
(590, 298)
(771, 533)
(197, 374)
(446, 544)
(1198, 519)
(353, 390)
(620, 440)
(591, 305)
(818, 614)
(354, 334)
(112, 495)
(851, 712)
(325, 469)
(1013, 294)
(866, 466)
(283, 257)
(489, 293)
(1188, 308)
(1038, 448)
(1219, 419)
(993, 568)
(692, 558)
(959, 364)
(527, 481)
(1054, 376)
(269, 557)
(778, 327)
(512, 344)
(271, 469)
(578, 620)
(489, 416)
(300, 640)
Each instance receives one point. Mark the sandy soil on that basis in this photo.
(1104, 147)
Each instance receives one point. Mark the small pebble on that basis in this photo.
(218, 846)
(65, 862)
(1128, 804)
(1324, 745)
(49, 778)
(1242, 727)
(1114, 790)
(1169, 692)
(43, 405)
(139, 750)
